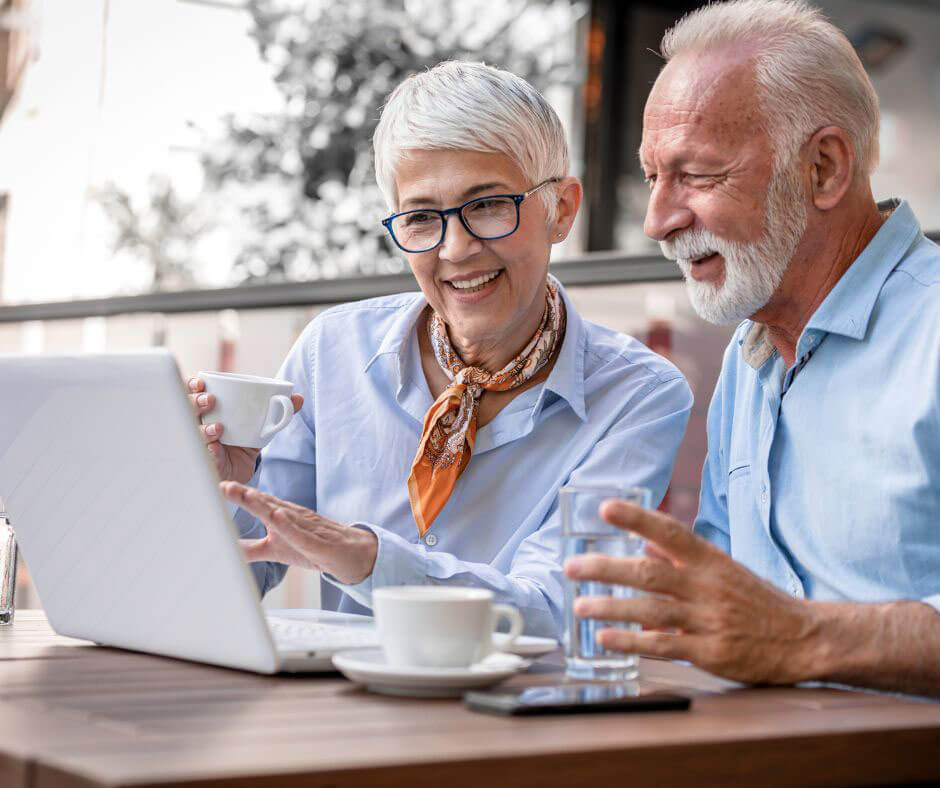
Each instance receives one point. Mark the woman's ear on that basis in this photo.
(831, 157)
(569, 193)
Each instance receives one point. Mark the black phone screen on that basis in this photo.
(573, 698)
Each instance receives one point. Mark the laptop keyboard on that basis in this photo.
(292, 635)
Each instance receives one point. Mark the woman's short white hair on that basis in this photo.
(473, 107)
(808, 74)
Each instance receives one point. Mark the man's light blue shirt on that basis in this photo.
(825, 478)
(611, 412)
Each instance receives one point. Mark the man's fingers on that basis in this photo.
(650, 644)
(298, 401)
(648, 611)
(646, 574)
(670, 536)
(652, 551)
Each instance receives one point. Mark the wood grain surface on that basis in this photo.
(73, 714)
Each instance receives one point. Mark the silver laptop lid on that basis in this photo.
(117, 510)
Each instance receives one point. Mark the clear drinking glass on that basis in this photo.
(7, 568)
(583, 531)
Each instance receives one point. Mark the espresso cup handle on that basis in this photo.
(287, 413)
(516, 624)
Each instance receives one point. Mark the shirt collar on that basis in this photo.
(396, 338)
(566, 378)
(848, 307)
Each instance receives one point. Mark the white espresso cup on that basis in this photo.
(439, 626)
(250, 409)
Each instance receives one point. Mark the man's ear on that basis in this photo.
(831, 157)
(569, 193)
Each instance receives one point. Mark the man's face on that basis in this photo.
(716, 206)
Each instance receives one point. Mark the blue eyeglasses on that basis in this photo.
(486, 218)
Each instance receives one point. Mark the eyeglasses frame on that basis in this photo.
(458, 211)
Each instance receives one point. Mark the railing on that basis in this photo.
(592, 269)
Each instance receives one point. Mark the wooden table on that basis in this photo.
(73, 714)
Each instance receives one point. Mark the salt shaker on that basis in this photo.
(7, 567)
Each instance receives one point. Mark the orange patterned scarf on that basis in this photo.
(450, 425)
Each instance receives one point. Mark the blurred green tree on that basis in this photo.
(294, 191)
(300, 184)
(162, 232)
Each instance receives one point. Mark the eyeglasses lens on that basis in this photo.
(491, 217)
(417, 230)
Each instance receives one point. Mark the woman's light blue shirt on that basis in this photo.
(825, 478)
(611, 412)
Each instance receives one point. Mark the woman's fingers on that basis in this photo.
(211, 432)
(257, 549)
(202, 403)
(270, 501)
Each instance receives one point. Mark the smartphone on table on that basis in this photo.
(574, 699)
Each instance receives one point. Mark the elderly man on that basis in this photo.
(822, 478)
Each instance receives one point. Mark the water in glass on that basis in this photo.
(584, 532)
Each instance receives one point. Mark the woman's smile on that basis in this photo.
(474, 287)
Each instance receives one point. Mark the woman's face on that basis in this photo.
(504, 311)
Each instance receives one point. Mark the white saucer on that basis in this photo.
(368, 666)
(525, 645)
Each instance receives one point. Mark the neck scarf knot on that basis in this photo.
(450, 424)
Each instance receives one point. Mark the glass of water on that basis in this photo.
(583, 531)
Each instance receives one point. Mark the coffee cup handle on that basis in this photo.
(287, 413)
(516, 624)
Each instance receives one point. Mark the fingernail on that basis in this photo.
(203, 399)
(581, 607)
(212, 429)
(573, 567)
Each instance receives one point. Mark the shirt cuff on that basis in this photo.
(397, 563)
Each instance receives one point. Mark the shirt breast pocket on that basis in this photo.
(740, 497)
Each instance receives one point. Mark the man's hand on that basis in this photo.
(302, 537)
(703, 606)
(236, 463)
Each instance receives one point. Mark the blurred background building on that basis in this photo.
(197, 173)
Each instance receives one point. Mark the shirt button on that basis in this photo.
(430, 540)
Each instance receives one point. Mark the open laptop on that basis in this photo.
(118, 515)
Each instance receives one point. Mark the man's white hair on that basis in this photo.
(807, 72)
(473, 107)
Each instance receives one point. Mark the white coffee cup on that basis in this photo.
(251, 409)
(439, 626)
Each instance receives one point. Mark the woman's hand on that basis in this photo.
(235, 463)
(301, 537)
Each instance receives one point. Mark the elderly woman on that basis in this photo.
(437, 427)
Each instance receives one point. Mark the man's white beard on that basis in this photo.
(753, 271)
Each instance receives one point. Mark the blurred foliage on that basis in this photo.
(163, 232)
(295, 190)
